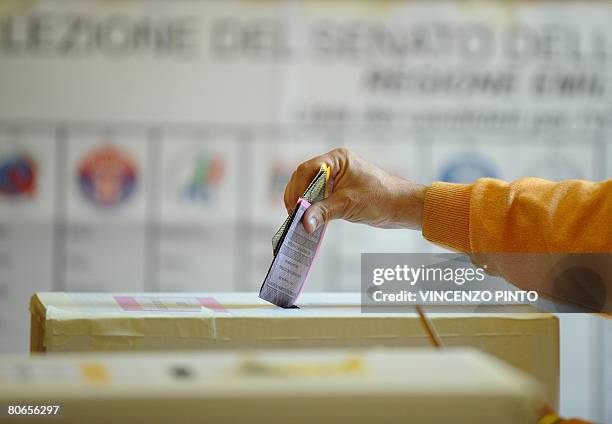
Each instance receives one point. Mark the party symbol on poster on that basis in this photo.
(204, 178)
(467, 168)
(107, 176)
(18, 176)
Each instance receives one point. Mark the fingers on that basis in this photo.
(305, 172)
(324, 211)
(300, 179)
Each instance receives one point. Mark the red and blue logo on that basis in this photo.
(18, 176)
(107, 176)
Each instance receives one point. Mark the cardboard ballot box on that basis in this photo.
(64, 322)
(382, 386)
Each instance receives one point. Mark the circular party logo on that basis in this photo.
(17, 176)
(467, 168)
(107, 176)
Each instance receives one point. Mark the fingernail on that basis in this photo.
(313, 223)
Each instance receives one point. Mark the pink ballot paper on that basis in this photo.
(289, 270)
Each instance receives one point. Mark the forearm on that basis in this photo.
(528, 215)
(524, 231)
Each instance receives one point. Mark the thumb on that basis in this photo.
(321, 213)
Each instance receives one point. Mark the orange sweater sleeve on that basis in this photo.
(528, 215)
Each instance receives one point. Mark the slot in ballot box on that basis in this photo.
(268, 387)
(70, 322)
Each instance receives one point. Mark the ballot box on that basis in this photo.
(421, 385)
(70, 322)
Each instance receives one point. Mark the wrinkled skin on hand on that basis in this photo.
(361, 193)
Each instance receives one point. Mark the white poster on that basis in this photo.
(27, 210)
(608, 165)
(463, 158)
(450, 65)
(198, 212)
(151, 61)
(418, 64)
(106, 187)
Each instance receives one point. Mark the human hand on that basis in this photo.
(362, 193)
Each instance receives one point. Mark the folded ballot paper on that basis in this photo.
(294, 249)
